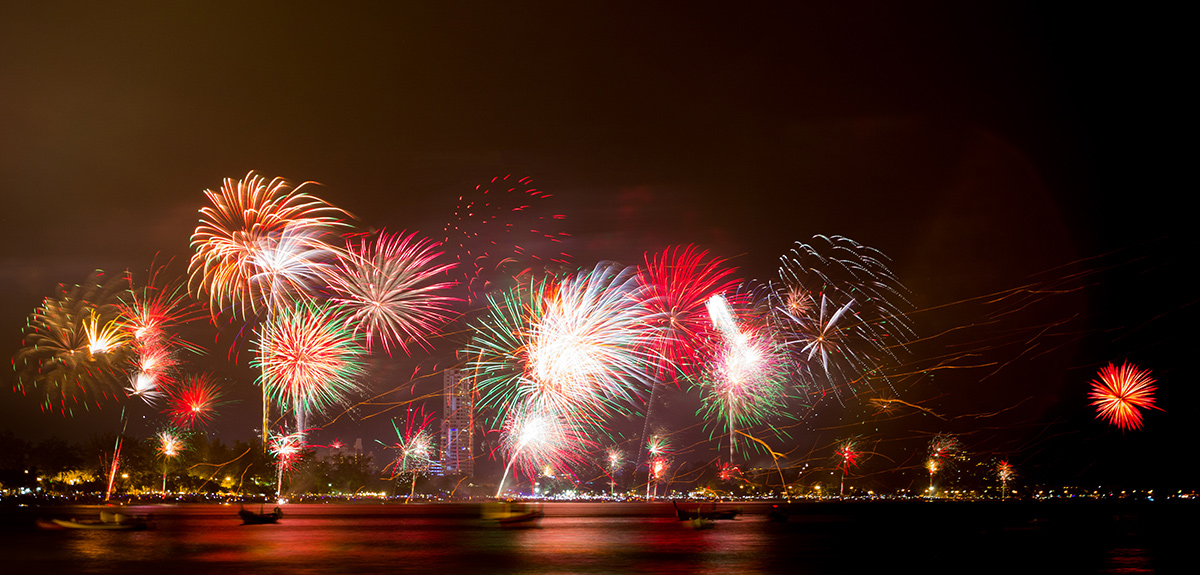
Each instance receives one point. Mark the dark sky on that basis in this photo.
(976, 146)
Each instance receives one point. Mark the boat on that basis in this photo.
(108, 521)
(514, 514)
(252, 518)
(712, 514)
(702, 523)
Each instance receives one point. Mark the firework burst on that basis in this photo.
(389, 290)
(840, 306)
(193, 403)
(534, 437)
(572, 347)
(309, 360)
(259, 242)
(744, 383)
(1120, 393)
(847, 453)
(674, 288)
(73, 354)
(287, 449)
(415, 450)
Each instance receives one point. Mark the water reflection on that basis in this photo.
(443, 540)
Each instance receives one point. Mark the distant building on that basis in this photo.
(457, 425)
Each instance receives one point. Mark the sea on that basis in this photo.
(1012, 537)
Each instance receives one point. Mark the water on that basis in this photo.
(946, 537)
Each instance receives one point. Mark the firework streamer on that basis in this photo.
(569, 350)
(848, 453)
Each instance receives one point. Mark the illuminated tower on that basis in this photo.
(457, 435)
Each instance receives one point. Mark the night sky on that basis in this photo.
(981, 148)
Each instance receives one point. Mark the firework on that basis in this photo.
(674, 288)
(572, 347)
(259, 242)
(658, 460)
(614, 458)
(841, 307)
(501, 230)
(847, 453)
(416, 448)
(309, 360)
(1120, 393)
(1005, 473)
(389, 290)
(73, 352)
(286, 448)
(943, 450)
(744, 383)
(534, 436)
(192, 404)
(170, 445)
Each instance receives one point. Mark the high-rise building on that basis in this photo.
(457, 425)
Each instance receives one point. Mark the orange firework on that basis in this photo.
(260, 242)
(1120, 393)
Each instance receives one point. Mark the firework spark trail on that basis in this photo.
(1005, 473)
(503, 229)
(63, 358)
(744, 385)
(252, 246)
(388, 288)
(614, 458)
(1120, 393)
(309, 360)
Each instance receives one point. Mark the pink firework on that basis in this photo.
(258, 242)
(193, 403)
(390, 289)
(1120, 393)
(674, 288)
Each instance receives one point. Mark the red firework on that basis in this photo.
(1120, 393)
(193, 403)
(675, 286)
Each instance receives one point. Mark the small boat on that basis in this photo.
(108, 521)
(252, 518)
(713, 514)
(702, 523)
(510, 514)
